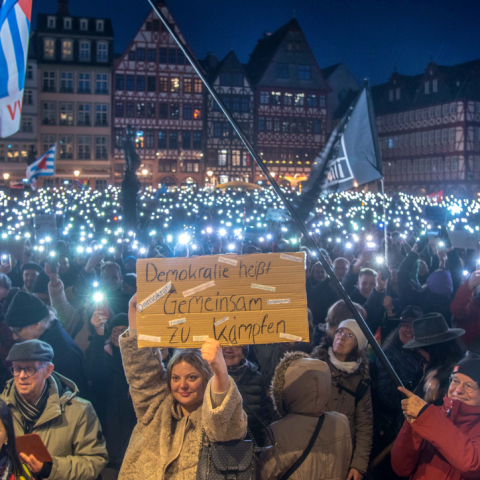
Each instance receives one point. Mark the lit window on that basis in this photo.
(174, 84)
(67, 50)
(299, 99)
(222, 158)
(236, 158)
(48, 48)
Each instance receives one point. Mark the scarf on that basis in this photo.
(237, 371)
(5, 465)
(347, 367)
(32, 412)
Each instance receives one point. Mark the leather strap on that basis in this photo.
(304, 455)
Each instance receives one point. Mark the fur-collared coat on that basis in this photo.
(165, 444)
(360, 414)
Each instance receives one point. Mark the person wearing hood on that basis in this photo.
(436, 296)
(301, 389)
(346, 355)
(112, 402)
(29, 318)
(465, 308)
(252, 388)
(46, 403)
(442, 442)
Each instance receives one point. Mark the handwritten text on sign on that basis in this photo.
(251, 299)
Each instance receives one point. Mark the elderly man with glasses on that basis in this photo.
(46, 403)
(442, 442)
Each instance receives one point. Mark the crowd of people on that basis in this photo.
(71, 370)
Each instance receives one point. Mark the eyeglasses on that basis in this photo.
(29, 371)
(469, 387)
(343, 333)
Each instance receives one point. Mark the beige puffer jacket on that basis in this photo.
(165, 444)
(300, 391)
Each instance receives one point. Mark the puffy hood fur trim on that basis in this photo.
(278, 382)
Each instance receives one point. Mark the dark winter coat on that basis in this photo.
(443, 443)
(319, 299)
(111, 398)
(409, 365)
(67, 357)
(465, 307)
(252, 388)
(359, 413)
(410, 294)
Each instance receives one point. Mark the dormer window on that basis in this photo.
(51, 22)
(67, 23)
(83, 24)
(100, 25)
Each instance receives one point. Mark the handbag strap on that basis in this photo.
(304, 455)
(262, 421)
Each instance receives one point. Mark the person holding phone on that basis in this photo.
(46, 403)
(11, 467)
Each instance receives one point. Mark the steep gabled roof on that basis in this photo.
(454, 82)
(266, 48)
(229, 64)
(326, 72)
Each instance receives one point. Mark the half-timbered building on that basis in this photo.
(429, 130)
(157, 92)
(290, 103)
(226, 157)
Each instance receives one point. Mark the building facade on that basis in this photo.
(18, 149)
(226, 157)
(75, 57)
(157, 92)
(429, 130)
(290, 104)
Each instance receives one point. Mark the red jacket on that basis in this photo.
(437, 447)
(466, 310)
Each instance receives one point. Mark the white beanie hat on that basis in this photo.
(353, 326)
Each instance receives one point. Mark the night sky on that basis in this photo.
(371, 37)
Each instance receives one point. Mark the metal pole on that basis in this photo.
(385, 236)
(311, 243)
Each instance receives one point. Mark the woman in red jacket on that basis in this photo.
(442, 443)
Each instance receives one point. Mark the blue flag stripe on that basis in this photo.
(18, 48)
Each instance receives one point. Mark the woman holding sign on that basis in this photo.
(174, 404)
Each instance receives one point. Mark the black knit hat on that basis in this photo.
(41, 283)
(32, 266)
(25, 310)
(31, 351)
(119, 320)
(469, 366)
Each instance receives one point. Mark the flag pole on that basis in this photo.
(385, 235)
(291, 210)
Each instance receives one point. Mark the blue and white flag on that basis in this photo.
(43, 167)
(14, 35)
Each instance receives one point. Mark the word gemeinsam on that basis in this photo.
(236, 299)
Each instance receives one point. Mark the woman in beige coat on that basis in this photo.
(173, 406)
(350, 394)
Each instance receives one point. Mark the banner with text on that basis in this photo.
(236, 299)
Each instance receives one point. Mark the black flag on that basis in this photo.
(350, 158)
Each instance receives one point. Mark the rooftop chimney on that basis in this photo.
(62, 7)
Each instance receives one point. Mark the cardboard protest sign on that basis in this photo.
(236, 299)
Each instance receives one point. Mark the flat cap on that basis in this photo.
(31, 351)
